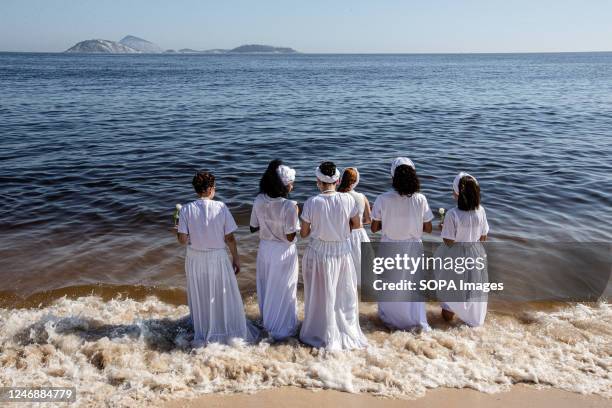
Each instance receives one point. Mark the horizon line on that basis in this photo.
(322, 53)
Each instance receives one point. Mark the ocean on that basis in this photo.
(96, 150)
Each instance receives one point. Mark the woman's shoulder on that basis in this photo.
(418, 196)
(287, 203)
(260, 198)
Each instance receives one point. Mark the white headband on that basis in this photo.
(352, 186)
(328, 179)
(286, 174)
(458, 179)
(398, 162)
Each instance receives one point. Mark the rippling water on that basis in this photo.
(96, 150)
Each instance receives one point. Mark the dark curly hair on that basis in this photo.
(271, 184)
(469, 194)
(328, 168)
(405, 180)
(202, 181)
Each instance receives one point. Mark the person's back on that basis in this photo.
(402, 216)
(360, 201)
(329, 215)
(207, 222)
(275, 217)
(331, 310)
(206, 227)
(465, 226)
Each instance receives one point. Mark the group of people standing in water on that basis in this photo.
(333, 220)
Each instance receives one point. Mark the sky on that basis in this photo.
(324, 26)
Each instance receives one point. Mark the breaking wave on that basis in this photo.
(125, 352)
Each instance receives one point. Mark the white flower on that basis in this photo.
(441, 211)
(178, 207)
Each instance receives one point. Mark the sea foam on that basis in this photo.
(125, 352)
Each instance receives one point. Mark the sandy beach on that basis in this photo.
(519, 397)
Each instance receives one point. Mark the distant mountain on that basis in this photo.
(243, 49)
(134, 45)
(101, 47)
(141, 45)
(259, 49)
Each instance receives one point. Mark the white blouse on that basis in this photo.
(329, 216)
(207, 222)
(402, 216)
(275, 217)
(465, 226)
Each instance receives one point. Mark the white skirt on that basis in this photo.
(472, 311)
(405, 315)
(357, 237)
(277, 278)
(331, 310)
(214, 300)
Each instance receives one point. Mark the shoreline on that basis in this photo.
(518, 396)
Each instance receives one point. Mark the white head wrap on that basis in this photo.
(458, 179)
(398, 161)
(356, 181)
(328, 179)
(286, 174)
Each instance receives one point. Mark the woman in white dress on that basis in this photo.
(276, 219)
(206, 227)
(348, 182)
(466, 223)
(403, 215)
(331, 310)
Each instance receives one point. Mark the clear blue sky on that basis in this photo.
(315, 25)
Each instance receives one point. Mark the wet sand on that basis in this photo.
(518, 397)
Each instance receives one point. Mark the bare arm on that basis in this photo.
(305, 229)
(367, 212)
(483, 238)
(231, 244)
(376, 226)
(355, 222)
(427, 227)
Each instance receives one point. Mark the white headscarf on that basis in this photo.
(328, 179)
(352, 186)
(398, 161)
(286, 174)
(458, 179)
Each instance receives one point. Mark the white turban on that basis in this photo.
(398, 161)
(458, 179)
(356, 181)
(328, 179)
(286, 174)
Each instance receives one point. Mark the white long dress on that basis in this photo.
(466, 227)
(358, 235)
(402, 220)
(277, 264)
(331, 309)
(214, 299)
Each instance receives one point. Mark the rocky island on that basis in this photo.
(135, 45)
